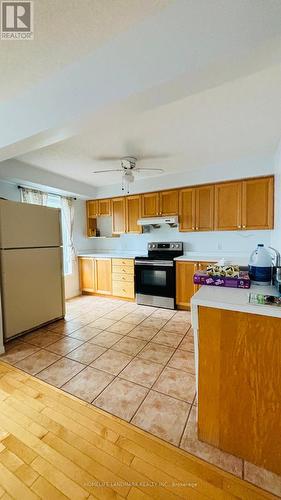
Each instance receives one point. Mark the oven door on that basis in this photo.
(155, 278)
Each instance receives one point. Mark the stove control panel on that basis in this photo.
(162, 246)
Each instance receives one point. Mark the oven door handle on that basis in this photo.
(158, 263)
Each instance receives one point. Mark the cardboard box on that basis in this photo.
(202, 278)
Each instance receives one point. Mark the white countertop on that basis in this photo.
(239, 259)
(122, 254)
(233, 299)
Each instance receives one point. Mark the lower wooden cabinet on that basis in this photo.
(185, 287)
(107, 276)
(103, 276)
(239, 401)
(123, 278)
(87, 274)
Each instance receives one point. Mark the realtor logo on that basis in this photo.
(16, 20)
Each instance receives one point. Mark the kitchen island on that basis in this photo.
(238, 370)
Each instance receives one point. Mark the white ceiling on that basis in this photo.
(198, 81)
(64, 31)
(239, 118)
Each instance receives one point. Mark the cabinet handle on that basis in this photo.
(193, 228)
(244, 227)
(197, 229)
(239, 227)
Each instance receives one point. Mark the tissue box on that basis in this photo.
(203, 278)
(218, 270)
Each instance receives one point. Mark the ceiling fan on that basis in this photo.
(128, 168)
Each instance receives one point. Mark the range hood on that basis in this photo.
(158, 221)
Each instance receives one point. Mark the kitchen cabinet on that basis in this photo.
(150, 205)
(204, 211)
(118, 215)
(104, 208)
(133, 213)
(87, 274)
(93, 208)
(185, 287)
(197, 209)
(99, 208)
(226, 206)
(103, 276)
(187, 209)
(257, 203)
(239, 379)
(228, 197)
(169, 202)
(123, 278)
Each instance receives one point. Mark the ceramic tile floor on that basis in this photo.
(136, 362)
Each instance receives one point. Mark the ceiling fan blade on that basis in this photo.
(110, 170)
(107, 158)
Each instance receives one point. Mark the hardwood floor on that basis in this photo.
(54, 446)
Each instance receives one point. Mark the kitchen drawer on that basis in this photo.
(123, 262)
(123, 269)
(123, 277)
(120, 289)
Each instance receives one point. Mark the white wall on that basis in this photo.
(276, 233)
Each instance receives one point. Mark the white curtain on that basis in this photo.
(33, 196)
(67, 208)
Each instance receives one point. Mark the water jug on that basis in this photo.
(260, 266)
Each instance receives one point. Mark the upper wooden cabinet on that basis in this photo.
(228, 196)
(104, 208)
(197, 209)
(226, 206)
(204, 212)
(150, 205)
(162, 203)
(98, 208)
(169, 202)
(187, 209)
(103, 276)
(257, 203)
(133, 213)
(118, 215)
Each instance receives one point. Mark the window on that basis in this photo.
(55, 201)
(67, 215)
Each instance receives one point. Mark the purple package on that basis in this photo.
(202, 278)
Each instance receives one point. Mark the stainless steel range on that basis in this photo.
(155, 275)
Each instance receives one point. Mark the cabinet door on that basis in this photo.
(169, 202)
(118, 215)
(87, 274)
(104, 207)
(103, 276)
(133, 213)
(228, 206)
(205, 208)
(185, 287)
(257, 203)
(187, 209)
(150, 204)
(93, 208)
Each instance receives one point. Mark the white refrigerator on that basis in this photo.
(31, 267)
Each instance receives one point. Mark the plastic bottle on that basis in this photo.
(260, 266)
